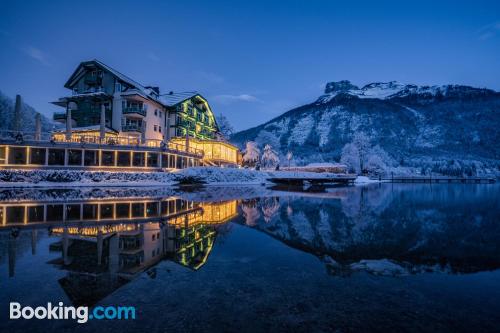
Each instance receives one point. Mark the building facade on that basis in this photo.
(104, 100)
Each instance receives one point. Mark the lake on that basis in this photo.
(382, 257)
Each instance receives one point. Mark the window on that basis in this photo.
(123, 159)
(137, 210)
(106, 211)
(152, 209)
(2, 155)
(160, 114)
(74, 157)
(122, 210)
(164, 160)
(73, 212)
(153, 237)
(17, 155)
(56, 156)
(15, 214)
(107, 158)
(91, 158)
(90, 211)
(159, 129)
(156, 128)
(37, 156)
(35, 214)
(156, 112)
(152, 160)
(54, 212)
(138, 159)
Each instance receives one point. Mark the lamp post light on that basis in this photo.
(289, 156)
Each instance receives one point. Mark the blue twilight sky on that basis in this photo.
(253, 60)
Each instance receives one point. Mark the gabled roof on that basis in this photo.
(80, 70)
(172, 99)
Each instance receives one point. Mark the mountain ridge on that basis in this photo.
(419, 126)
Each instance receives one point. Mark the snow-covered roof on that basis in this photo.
(176, 98)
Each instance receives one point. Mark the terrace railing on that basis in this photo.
(30, 137)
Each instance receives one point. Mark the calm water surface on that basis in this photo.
(379, 258)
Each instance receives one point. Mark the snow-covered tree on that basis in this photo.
(225, 126)
(269, 157)
(251, 154)
(350, 157)
(362, 143)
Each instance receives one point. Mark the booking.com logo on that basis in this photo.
(82, 313)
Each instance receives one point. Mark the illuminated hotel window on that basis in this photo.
(35, 214)
(106, 211)
(138, 159)
(107, 158)
(74, 157)
(37, 156)
(56, 156)
(137, 209)
(54, 212)
(90, 211)
(151, 209)
(123, 159)
(122, 210)
(91, 158)
(152, 160)
(15, 214)
(72, 212)
(17, 155)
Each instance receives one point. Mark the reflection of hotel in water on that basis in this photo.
(103, 244)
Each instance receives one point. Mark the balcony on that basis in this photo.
(134, 111)
(93, 80)
(131, 128)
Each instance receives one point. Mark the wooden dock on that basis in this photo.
(438, 179)
(298, 181)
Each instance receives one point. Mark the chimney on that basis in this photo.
(17, 114)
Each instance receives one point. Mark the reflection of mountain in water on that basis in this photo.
(418, 226)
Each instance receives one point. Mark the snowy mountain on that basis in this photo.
(448, 129)
(27, 116)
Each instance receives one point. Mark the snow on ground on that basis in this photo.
(207, 175)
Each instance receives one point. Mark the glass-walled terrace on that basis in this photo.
(35, 156)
